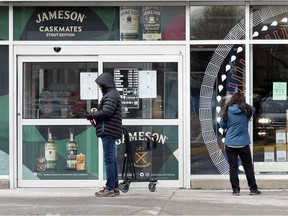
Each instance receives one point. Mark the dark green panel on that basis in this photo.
(4, 23)
(66, 23)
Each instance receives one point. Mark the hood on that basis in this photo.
(105, 80)
(234, 109)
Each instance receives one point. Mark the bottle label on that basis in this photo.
(151, 23)
(71, 163)
(50, 153)
(71, 151)
(71, 155)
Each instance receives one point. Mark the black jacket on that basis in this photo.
(108, 116)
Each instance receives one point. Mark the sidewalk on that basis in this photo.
(140, 201)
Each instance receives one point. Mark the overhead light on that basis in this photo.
(264, 120)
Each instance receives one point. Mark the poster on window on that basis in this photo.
(88, 86)
(147, 84)
(279, 90)
(126, 81)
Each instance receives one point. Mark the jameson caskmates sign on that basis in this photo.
(66, 23)
(61, 31)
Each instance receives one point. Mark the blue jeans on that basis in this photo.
(245, 155)
(109, 151)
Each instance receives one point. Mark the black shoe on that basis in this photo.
(117, 191)
(255, 192)
(236, 193)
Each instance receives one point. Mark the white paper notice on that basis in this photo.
(147, 84)
(279, 91)
(88, 86)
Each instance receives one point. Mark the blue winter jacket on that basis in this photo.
(237, 126)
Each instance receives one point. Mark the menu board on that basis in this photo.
(126, 81)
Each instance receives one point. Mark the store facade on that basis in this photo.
(175, 65)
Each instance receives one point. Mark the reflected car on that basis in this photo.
(272, 116)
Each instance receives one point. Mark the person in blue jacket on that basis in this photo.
(236, 116)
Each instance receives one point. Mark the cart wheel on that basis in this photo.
(152, 186)
(124, 187)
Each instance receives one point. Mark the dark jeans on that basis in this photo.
(245, 155)
(109, 151)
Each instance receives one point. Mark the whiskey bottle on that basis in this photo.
(50, 152)
(151, 23)
(72, 149)
(129, 23)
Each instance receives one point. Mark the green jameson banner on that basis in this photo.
(66, 23)
(154, 150)
(98, 23)
(4, 24)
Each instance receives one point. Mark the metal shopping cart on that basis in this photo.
(140, 169)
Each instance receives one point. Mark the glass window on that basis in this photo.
(217, 22)
(52, 89)
(269, 22)
(216, 73)
(4, 107)
(99, 23)
(270, 75)
(4, 23)
(159, 101)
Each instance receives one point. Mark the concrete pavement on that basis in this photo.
(140, 201)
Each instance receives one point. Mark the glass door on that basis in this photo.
(151, 90)
(57, 147)
(54, 92)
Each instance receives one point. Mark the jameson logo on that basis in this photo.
(129, 12)
(60, 14)
(60, 30)
(151, 12)
(142, 136)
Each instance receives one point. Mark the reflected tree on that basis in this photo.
(214, 22)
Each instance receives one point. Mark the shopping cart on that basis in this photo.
(138, 166)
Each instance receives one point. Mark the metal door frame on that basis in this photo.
(21, 122)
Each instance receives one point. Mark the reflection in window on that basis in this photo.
(164, 105)
(214, 22)
(269, 69)
(52, 90)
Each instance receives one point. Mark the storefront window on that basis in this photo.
(52, 89)
(99, 23)
(214, 79)
(48, 155)
(269, 22)
(4, 23)
(157, 99)
(217, 22)
(4, 107)
(270, 77)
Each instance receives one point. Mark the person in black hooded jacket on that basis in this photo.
(108, 118)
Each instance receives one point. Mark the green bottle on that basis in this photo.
(50, 152)
(72, 149)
